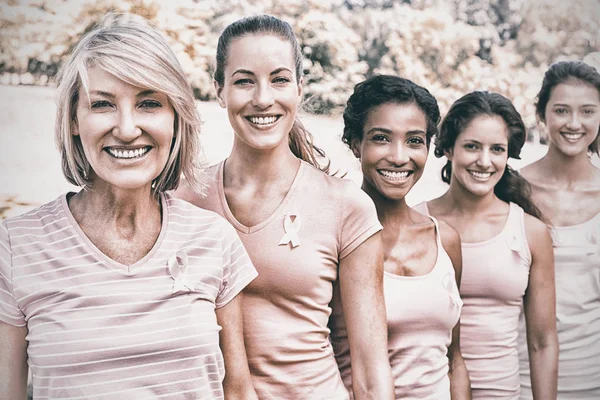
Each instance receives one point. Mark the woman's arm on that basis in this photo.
(460, 385)
(237, 383)
(361, 289)
(13, 362)
(540, 311)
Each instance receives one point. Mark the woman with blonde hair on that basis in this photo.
(306, 232)
(121, 290)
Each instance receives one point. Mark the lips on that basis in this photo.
(263, 120)
(394, 175)
(572, 137)
(481, 176)
(125, 153)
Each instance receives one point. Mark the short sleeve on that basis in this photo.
(238, 270)
(358, 219)
(10, 312)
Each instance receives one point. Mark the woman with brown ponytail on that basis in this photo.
(305, 231)
(506, 249)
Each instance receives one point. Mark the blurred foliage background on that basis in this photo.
(449, 46)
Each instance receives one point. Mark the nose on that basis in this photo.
(263, 96)
(574, 122)
(484, 159)
(398, 154)
(127, 129)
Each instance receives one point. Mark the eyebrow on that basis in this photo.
(568, 106)
(143, 93)
(248, 72)
(389, 131)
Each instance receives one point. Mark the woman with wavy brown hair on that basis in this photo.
(506, 248)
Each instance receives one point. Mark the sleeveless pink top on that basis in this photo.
(421, 312)
(577, 268)
(495, 276)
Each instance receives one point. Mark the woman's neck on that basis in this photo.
(463, 202)
(105, 205)
(566, 169)
(389, 212)
(250, 166)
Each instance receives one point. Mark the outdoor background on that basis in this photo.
(449, 46)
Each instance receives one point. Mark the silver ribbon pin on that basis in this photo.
(291, 228)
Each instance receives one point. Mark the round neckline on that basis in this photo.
(493, 238)
(576, 226)
(260, 225)
(438, 243)
(128, 269)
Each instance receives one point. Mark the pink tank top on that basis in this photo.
(495, 276)
(577, 268)
(421, 312)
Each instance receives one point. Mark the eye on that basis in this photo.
(589, 111)
(282, 79)
(416, 140)
(470, 146)
(380, 138)
(561, 110)
(100, 104)
(242, 82)
(498, 149)
(150, 104)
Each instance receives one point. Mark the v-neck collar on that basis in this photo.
(127, 269)
(251, 229)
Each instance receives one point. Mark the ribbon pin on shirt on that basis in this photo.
(178, 267)
(291, 228)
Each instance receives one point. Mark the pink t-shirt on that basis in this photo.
(297, 251)
(98, 329)
(421, 313)
(495, 275)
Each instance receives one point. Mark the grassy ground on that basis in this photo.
(30, 173)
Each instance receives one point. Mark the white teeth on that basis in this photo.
(394, 175)
(573, 136)
(480, 175)
(128, 153)
(263, 120)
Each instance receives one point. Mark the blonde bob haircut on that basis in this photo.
(128, 47)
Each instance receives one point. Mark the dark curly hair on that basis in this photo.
(384, 89)
(563, 72)
(512, 187)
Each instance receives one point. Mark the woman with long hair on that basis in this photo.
(305, 231)
(506, 248)
(566, 187)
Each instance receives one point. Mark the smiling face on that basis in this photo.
(480, 155)
(392, 150)
(573, 117)
(261, 92)
(126, 131)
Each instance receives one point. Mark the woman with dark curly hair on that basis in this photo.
(388, 124)
(566, 186)
(506, 249)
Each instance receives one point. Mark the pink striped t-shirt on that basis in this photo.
(98, 329)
